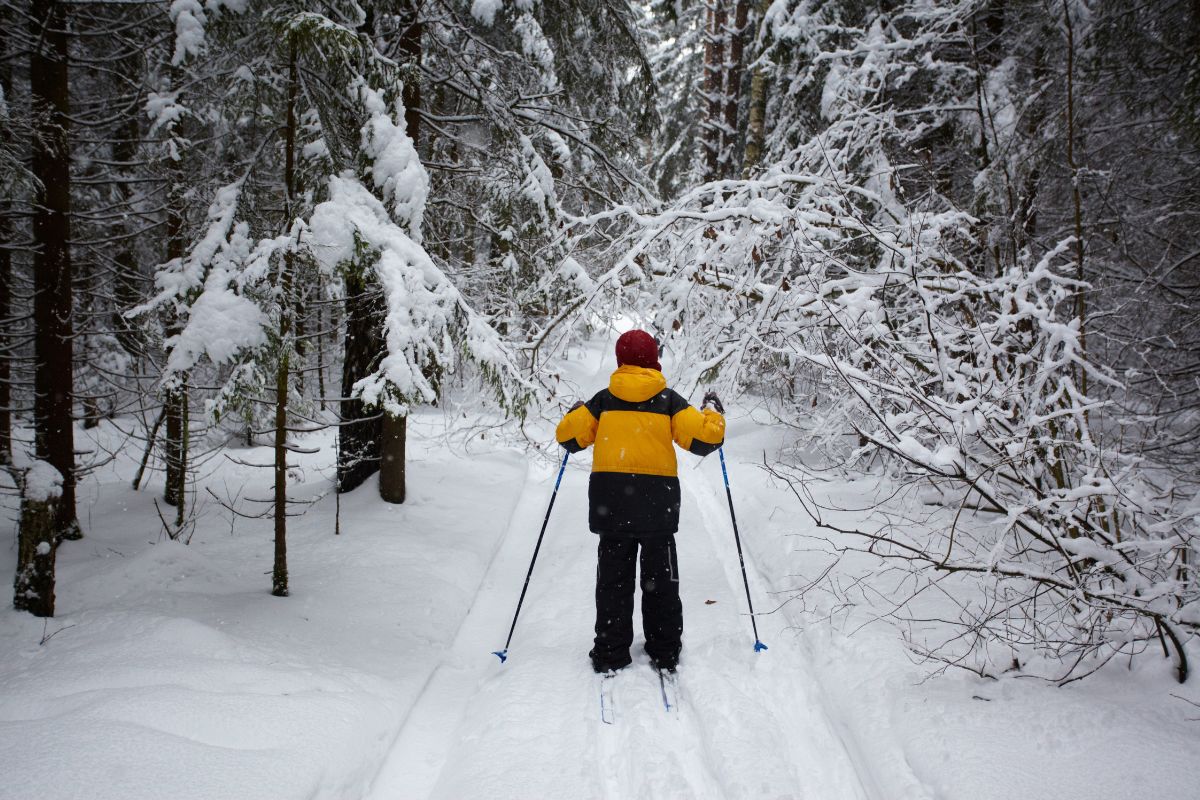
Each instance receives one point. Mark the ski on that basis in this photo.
(608, 708)
(668, 684)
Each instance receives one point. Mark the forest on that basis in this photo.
(285, 275)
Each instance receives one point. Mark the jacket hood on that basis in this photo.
(635, 384)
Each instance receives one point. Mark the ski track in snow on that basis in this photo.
(177, 675)
(750, 724)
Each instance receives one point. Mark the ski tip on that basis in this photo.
(501, 654)
(759, 646)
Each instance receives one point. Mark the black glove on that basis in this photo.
(711, 399)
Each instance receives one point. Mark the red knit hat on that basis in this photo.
(638, 349)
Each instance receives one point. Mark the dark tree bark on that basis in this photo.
(53, 383)
(392, 466)
(715, 36)
(5, 343)
(33, 587)
(7, 235)
(733, 87)
(360, 430)
(321, 356)
(757, 112)
(411, 48)
(1076, 200)
(175, 445)
(987, 50)
(175, 400)
(279, 573)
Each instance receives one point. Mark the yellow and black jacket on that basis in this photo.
(634, 488)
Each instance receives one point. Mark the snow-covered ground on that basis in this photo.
(172, 672)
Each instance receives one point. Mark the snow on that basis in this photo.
(558, 145)
(164, 110)
(189, 19)
(221, 324)
(180, 276)
(176, 674)
(173, 673)
(43, 482)
(420, 299)
(205, 290)
(397, 171)
(426, 315)
(538, 187)
(188, 16)
(315, 150)
(535, 45)
(485, 10)
(575, 275)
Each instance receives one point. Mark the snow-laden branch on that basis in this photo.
(821, 281)
(429, 324)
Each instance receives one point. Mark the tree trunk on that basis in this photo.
(300, 342)
(391, 463)
(6, 343)
(175, 400)
(7, 235)
(757, 114)
(54, 433)
(714, 84)
(359, 433)
(150, 438)
(411, 49)
(175, 447)
(736, 36)
(391, 467)
(1076, 203)
(279, 573)
(321, 355)
(33, 587)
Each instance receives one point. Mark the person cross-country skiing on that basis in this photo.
(633, 497)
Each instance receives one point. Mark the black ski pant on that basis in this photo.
(662, 612)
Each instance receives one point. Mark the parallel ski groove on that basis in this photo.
(608, 708)
(668, 685)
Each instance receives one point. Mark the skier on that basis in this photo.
(633, 497)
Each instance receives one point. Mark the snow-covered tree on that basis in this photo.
(916, 252)
(354, 206)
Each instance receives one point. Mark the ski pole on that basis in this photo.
(503, 654)
(758, 645)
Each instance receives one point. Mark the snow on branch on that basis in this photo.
(970, 383)
(485, 10)
(397, 171)
(428, 323)
(189, 19)
(203, 294)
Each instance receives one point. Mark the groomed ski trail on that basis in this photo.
(425, 736)
(879, 774)
(750, 724)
